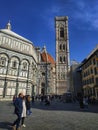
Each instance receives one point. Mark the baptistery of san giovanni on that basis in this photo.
(24, 67)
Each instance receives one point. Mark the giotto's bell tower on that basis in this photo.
(62, 55)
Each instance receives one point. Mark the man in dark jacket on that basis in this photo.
(18, 111)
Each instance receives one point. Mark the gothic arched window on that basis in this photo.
(64, 47)
(62, 32)
(43, 73)
(60, 47)
(60, 59)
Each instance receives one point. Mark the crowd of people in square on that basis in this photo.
(23, 104)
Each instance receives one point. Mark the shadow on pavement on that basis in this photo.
(65, 107)
(5, 125)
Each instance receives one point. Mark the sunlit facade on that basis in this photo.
(89, 69)
(22, 68)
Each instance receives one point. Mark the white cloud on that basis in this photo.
(86, 14)
(81, 10)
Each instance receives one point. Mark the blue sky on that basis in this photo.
(34, 20)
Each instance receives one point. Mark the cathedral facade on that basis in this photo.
(46, 73)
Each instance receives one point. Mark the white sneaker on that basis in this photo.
(24, 125)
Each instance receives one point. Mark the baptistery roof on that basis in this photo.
(8, 31)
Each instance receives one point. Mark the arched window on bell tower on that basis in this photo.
(60, 47)
(62, 32)
(63, 46)
(60, 59)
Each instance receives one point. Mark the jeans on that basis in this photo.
(29, 112)
(17, 121)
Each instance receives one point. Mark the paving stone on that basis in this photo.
(57, 116)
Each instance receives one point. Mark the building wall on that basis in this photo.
(75, 79)
(90, 75)
(17, 66)
(46, 78)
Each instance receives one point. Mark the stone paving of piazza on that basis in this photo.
(57, 116)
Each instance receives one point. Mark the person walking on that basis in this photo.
(28, 105)
(85, 102)
(14, 98)
(80, 99)
(32, 99)
(18, 103)
(23, 116)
